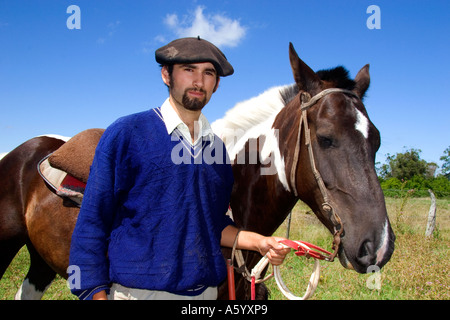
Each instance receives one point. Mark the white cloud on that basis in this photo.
(171, 20)
(219, 29)
(111, 28)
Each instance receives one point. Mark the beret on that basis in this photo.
(194, 50)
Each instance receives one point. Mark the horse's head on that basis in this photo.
(343, 144)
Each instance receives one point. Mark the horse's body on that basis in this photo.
(269, 179)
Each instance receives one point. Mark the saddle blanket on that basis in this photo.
(61, 182)
(76, 155)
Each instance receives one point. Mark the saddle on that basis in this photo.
(66, 170)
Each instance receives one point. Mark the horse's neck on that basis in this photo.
(275, 191)
(260, 203)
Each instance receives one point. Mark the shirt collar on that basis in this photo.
(173, 121)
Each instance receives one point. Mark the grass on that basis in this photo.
(16, 272)
(419, 267)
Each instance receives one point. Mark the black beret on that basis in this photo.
(194, 50)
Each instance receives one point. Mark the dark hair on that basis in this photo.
(338, 76)
(169, 68)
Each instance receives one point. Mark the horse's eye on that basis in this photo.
(325, 142)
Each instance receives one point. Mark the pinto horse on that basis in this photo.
(276, 161)
(323, 153)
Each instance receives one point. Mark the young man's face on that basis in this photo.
(191, 85)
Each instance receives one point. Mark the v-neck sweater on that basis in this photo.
(153, 211)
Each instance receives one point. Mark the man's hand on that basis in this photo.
(247, 240)
(101, 295)
(275, 251)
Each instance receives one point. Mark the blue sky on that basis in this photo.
(61, 81)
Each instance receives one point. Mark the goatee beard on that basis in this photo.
(193, 104)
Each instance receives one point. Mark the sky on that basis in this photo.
(64, 70)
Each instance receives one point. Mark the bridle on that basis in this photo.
(306, 102)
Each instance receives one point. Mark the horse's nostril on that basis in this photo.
(364, 249)
(366, 254)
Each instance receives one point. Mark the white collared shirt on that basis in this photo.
(173, 122)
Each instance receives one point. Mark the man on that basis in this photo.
(151, 226)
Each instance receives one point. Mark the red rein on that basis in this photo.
(313, 251)
(302, 248)
(231, 288)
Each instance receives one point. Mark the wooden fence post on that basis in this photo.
(288, 227)
(431, 216)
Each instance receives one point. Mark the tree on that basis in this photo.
(406, 165)
(406, 171)
(431, 170)
(446, 166)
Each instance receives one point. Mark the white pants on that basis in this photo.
(118, 292)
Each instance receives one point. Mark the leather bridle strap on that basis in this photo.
(306, 103)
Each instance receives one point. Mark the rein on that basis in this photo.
(302, 248)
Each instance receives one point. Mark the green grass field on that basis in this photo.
(419, 267)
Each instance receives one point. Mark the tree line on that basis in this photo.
(406, 172)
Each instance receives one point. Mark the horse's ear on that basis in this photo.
(362, 80)
(304, 76)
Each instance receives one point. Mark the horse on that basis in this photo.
(275, 162)
(320, 151)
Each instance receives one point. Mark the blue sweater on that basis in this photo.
(149, 222)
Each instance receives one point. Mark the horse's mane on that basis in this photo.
(338, 77)
(252, 112)
(249, 113)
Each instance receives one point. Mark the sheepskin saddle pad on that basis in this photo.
(67, 169)
(76, 155)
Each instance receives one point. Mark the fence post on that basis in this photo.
(431, 216)
(288, 227)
